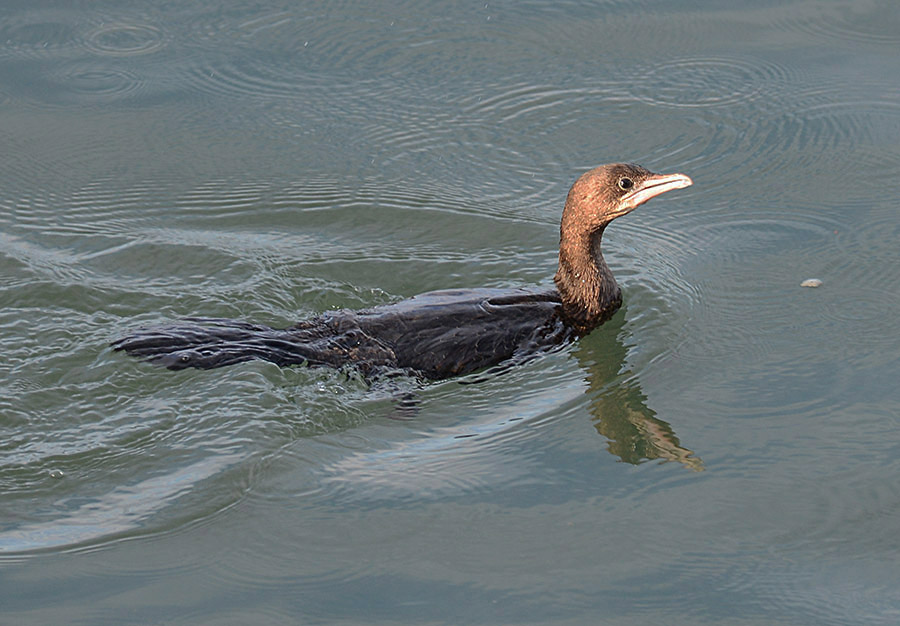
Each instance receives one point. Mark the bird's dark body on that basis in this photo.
(435, 335)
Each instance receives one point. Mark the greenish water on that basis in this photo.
(725, 450)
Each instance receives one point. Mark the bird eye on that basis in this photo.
(625, 184)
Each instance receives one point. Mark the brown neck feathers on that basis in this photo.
(589, 293)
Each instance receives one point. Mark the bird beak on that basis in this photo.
(653, 186)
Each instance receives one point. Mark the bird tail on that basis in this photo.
(206, 343)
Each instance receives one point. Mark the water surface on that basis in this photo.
(723, 451)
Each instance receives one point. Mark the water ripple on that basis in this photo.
(84, 83)
(867, 132)
(869, 21)
(38, 35)
(122, 510)
(124, 39)
(48, 34)
(708, 82)
(449, 455)
(250, 77)
(545, 102)
(85, 472)
(815, 135)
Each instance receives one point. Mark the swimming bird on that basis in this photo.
(439, 334)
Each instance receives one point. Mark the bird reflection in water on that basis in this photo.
(618, 406)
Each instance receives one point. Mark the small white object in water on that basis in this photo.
(811, 282)
(56, 473)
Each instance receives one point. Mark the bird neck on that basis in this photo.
(587, 288)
